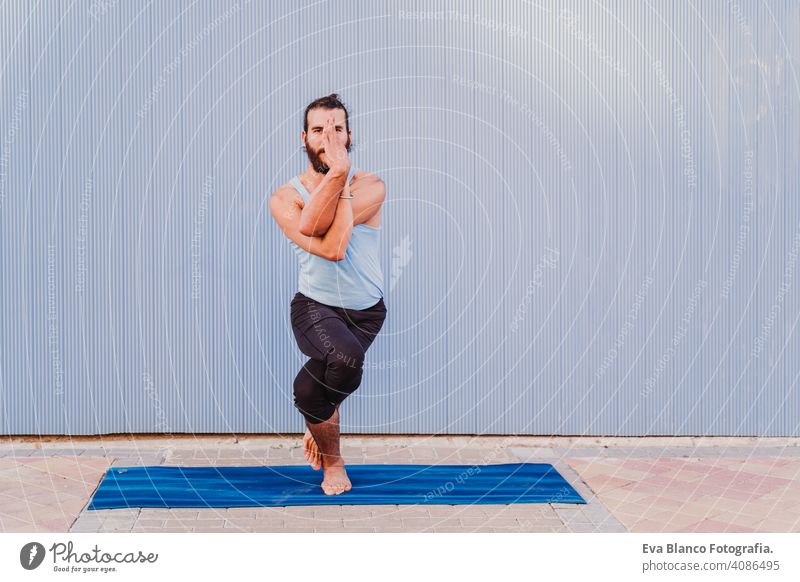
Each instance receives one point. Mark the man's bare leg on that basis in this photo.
(326, 435)
(311, 450)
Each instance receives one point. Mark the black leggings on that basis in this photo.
(335, 339)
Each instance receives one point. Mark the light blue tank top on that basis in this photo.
(355, 282)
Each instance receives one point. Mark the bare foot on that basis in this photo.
(311, 451)
(335, 481)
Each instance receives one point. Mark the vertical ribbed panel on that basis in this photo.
(592, 223)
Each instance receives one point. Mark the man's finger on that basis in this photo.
(326, 136)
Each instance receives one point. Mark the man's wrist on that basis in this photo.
(339, 169)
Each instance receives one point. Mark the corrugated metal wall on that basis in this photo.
(592, 223)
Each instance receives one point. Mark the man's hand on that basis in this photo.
(337, 153)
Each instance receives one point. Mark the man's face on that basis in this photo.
(317, 119)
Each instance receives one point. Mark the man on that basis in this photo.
(331, 214)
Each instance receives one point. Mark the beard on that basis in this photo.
(315, 157)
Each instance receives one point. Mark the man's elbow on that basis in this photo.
(313, 230)
(314, 225)
(307, 230)
(336, 254)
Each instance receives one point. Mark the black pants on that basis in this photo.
(336, 340)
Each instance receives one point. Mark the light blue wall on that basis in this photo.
(592, 222)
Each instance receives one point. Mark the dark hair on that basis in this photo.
(331, 101)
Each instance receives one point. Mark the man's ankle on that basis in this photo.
(334, 462)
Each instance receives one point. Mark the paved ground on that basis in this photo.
(631, 484)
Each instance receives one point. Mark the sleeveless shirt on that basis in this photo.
(355, 282)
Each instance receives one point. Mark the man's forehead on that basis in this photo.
(319, 116)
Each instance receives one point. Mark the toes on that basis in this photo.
(334, 488)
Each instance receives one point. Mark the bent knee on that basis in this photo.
(315, 411)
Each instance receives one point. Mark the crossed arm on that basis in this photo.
(286, 207)
(317, 215)
(369, 192)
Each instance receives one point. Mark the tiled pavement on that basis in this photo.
(630, 484)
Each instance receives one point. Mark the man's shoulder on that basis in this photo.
(286, 189)
(287, 193)
(362, 174)
(363, 180)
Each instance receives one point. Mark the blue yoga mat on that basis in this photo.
(160, 486)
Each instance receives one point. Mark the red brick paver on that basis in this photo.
(723, 494)
(46, 494)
